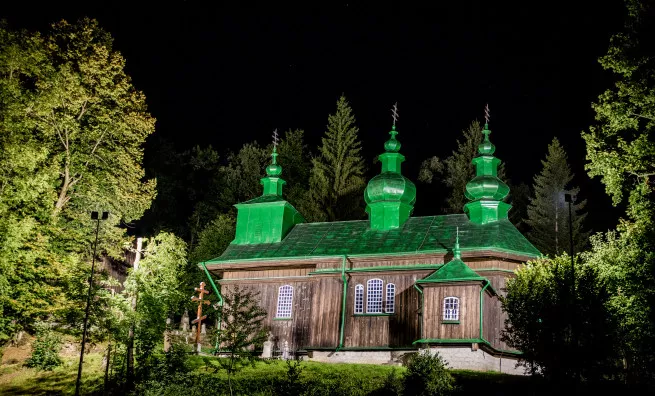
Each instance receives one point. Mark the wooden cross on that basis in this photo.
(201, 293)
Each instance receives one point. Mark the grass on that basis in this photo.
(330, 378)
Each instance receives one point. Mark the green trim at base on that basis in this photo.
(455, 341)
(374, 314)
(282, 318)
(450, 322)
(407, 348)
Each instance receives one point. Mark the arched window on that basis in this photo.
(451, 308)
(284, 301)
(390, 299)
(359, 299)
(374, 296)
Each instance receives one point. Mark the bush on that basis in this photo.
(427, 374)
(393, 385)
(45, 349)
(291, 385)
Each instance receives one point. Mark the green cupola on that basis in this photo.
(268, 218)
(390, 196)
(486, 191)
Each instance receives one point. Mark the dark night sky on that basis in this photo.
(224, 76)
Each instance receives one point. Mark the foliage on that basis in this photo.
(291, 384)
(45, 349)
(565, 337)
(625, 261)
(427, 374)
(457, 170)
(155, 285)
(71, 133)
(242, 329)
(548, 212)
(393, 385)
(337, 176)
(213, 240)
(621, 146)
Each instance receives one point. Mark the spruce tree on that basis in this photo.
(457, 170)
(548, 212)
(337, 177)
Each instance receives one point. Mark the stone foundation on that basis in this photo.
(467, 358)
(457, 357)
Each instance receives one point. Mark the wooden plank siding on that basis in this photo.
(399, 329)
(317, 300)
(469, 310)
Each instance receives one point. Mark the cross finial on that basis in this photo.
(457, 253)
(275, 138)
(394, 113)
(487, 114)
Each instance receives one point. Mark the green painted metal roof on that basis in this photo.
(418, 234)
(264, 198)
(453, 271)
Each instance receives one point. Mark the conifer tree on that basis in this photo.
(457, 170)
(337, 177)
(547, 210)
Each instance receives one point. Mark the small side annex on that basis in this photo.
(373, 290)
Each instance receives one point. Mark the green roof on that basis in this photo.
(264, 198)
(454, 271)
(417, 235)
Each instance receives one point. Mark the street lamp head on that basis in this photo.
(105, 215)
(567, 198)
(94, 215)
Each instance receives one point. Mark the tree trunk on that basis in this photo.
(130, 335)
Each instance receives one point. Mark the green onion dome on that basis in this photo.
(274, 169)
(486, 184)
(391, 185)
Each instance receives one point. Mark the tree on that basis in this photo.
(563, 337)
(621, 146)
(71, 130)
(156, 286)
(427, 374)
(457, 169)
(214, 239)
(548, 212)
(337, 176)
(625, 262)
(242, 329)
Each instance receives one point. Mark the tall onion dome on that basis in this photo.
(390, 196)
(486, 191)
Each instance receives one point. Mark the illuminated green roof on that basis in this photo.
(454, 271)
(416, 235)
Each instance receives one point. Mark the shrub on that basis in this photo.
(427, 374)
(291, 384)
(393, 385)
(45, 349)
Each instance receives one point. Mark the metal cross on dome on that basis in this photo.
(275, 138)
(394, 113)
(487, 114)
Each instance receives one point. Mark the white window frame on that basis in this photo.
(390, 298)
(359, 299)
(374, 288)
(451, 308)
(284, 302)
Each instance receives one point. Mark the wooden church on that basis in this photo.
(371, 291)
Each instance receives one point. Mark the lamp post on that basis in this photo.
(569, 199)
(94, 216)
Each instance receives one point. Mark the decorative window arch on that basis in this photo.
(374, 296)
(390, 299)
(451, 308)
(284, 301)
(359, 299)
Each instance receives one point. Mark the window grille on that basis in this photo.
(284, 301)
(359, 299)
(374, 296)
(390, 298)
(451, 308)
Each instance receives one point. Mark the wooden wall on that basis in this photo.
(397, 330)
(297, 330)
(494, 317)
(326, 312)
(469, 310)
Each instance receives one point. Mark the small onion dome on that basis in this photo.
(486, 187)
(390, 186)
(392, 145)
(274, 169)
(486, 147)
